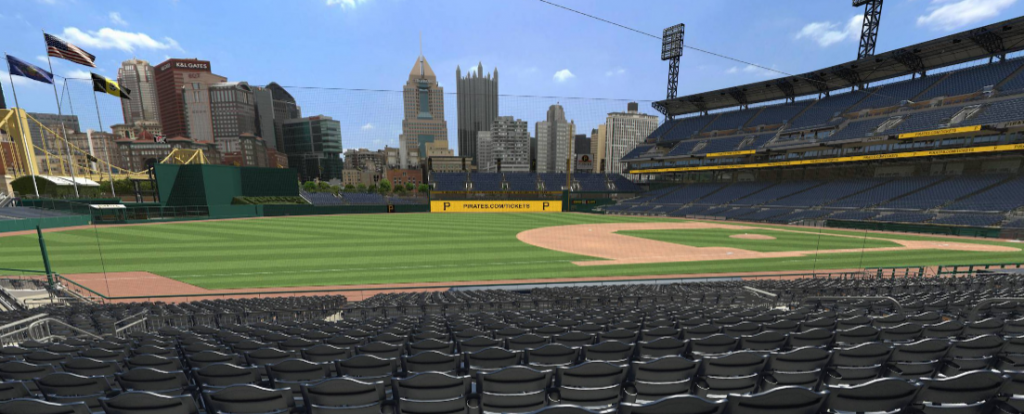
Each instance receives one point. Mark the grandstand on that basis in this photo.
(938, 142)
(735, 347)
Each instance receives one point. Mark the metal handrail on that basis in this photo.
(761, 292)
(62, 323)
(139, 318)
(899, 308)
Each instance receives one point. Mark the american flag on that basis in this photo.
(59, 48)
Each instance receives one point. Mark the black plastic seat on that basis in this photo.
(142, 402)
(153, 380)
(660, 378)
(431, 344)
(552, 355)
(594, 385)
(223, 375)
(10, 390)
(490, 359)
(292, 373)
(514, 389)
(63, 387)
(683, 404)
(880, 395)
(968, 393)
(610, 351)
(802, 367)
(858, 364)
(90, 367)
(918, 359)
(344, 395)
(432, 386)
(33, 406)
(368, 368)
(154, 361)
(206, 358)
(527, 341)
(972, 354)
(661, 347)
(764, 341)
(819, 337)
(713, 344)
(246, 399)
(431, 361)
(734, 373)
(788, 400)
(477, 343)
(574, 338)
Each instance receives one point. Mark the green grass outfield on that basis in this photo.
(410, 248)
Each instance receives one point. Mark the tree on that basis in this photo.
(324, 187)
(410, 186)
(400, 190)
(309, 186)
(423, 188)
(384, 186)
(361, 188)
(335, 189)
(349, 188)
(372, 188)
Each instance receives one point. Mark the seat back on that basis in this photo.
(142, 402)
(249, 399)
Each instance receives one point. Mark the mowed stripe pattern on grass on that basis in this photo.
(392, 249)
(785, 241)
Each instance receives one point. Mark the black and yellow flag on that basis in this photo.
(102, 84)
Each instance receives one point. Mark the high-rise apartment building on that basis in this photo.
(423, 104)
(508, 139)
(477, 98)
(625, 130)
(138, 76)
(50, 137)
(554, 137)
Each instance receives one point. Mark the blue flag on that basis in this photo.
(28, 70)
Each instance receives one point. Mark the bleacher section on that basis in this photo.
(971, 80)
(485, 181)
(364, 198)
(894, 93)
(982, 201)
(778, 114)
(822, 111)
(448, 181)
(322, 199)
(18, 213)
(520, 181)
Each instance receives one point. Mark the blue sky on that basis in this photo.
(543, 54)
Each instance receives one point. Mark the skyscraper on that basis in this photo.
(624, 130)
(171, 77)
(284, 109)
(264, 100)
(477, 96)
(233, 111)
(508, 139)
(138, 76)
(554, 136)
(424, 120)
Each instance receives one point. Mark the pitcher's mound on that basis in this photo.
(751, 237)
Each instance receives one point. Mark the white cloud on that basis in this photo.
(77, 74)
(753, 70)
(345, 4)
(367, 127)
(563, 75)
(42, 58)
(953, 14)
(827, 33)
(107, 38)
(115, 18)
(615, 72)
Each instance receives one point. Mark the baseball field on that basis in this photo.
(349, 250)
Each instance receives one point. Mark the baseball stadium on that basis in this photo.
(842, 240)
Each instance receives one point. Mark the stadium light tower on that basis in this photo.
(869, 29)
(672, 50)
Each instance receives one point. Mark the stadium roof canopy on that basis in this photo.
(992, 40)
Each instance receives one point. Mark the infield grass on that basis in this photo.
(785, 241)
(416, 248)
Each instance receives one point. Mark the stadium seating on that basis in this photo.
(17, 213)
(778, 114)
(684, 128)
(775, 192)
(690, 193)
(720, 145)
(823, 110)
(731, 120)
(948, 190)
(976, 220)
(521, 181)
(827, 193)
(322, 199)
(733, 192)
(485, 182)
(893, 93)
(905, 217)
(1003, 197)
(363, 198)
(971, 79)
(710, 347)
(448, 181)
(885, 192)
(996, 112)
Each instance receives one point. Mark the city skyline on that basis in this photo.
(603, 62)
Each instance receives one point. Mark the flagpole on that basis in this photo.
(60, 115)
(106, 154)
(31, 151)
